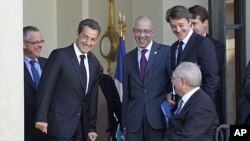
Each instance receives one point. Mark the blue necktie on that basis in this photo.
(179, 52)
(34, 72)
(143, 63)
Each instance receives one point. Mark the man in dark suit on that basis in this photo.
(194, 48)
(146, 80)
(244, 116)
(199, 25)
(32, 46)
(195, 118)
(112, 107)
(67, 94)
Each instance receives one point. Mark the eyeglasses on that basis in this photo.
(174, 78)
(36, 42)
(144, 31)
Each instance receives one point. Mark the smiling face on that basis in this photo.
(32, 44)
(143, 31)
(87, 39)
(180, 27)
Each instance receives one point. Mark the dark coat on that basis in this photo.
(61, 98)
(201, 50)
(196, 121)
(30, 132)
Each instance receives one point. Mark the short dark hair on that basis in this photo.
(198, 10)
(90, 23)
(178, 12)
(27, 29)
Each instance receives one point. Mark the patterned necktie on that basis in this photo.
(36, 76)
(143, 63)
(177, 111)
(179, 52)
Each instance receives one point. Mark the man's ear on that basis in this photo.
(206, 22)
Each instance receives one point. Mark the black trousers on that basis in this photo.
(78, 135)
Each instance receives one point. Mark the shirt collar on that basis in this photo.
(185, 40)
(28, 59)
(186, 97)
(78, 52)
(149, 46)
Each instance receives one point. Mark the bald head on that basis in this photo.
(143, 19)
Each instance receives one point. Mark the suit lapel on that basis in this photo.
(189, 47)
(75, 63)
(28, 77)
(41, 63)
(173, 55)
(135, 65)
(191, 99)
(91, 69)
(151, 57)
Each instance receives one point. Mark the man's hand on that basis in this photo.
(170, 100)
(92, 136)
(42, 126)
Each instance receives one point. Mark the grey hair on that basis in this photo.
(28, 29)
(190, 72)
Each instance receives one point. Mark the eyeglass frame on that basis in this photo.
(140, 31)
(35, 42)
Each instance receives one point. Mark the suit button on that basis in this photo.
(142, 104)
(82, 103)
(79, 114)
(145, 90)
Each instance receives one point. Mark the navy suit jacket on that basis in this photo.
(219, 96)
(29, 103)
(148, 93)
(244, 116)
(113, 101)
(200, 50)
(61, 100)
(197, 120)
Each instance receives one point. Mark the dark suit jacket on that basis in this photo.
(61, 101)
(149, 93)
(197, 120)
(113, 101)
(29, 103)
(220, 96)
(200, 50)
(244, 116)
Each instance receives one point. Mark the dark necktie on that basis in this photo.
(34, 72)
(143, 63)
(179, 52)
(83, 71)
(177, 111)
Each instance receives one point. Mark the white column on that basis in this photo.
(11, 71)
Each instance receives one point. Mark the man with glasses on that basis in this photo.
(67, 93)
(195, 118)
(33, 65)
(146, 79)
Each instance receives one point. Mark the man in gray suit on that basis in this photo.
(195, 118)
(146, 80)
